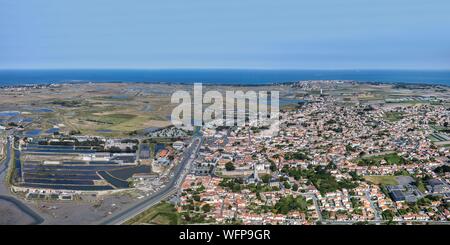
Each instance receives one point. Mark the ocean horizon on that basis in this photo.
(12, 77)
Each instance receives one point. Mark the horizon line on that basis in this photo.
(225, 68)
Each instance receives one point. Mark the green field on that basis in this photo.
(119, 123)
(112, 119)
(162, 214)
(433, 139)
(441, 128)
(393, 116)
(381, 180)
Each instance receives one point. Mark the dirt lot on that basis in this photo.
(80, 212)
(11, 215)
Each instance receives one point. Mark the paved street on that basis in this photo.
(168, 190)
(4, 189)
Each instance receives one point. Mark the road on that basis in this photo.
(169, 189)
(374, 206)
(5, 193)
(316, 204)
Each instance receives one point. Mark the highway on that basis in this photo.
(169, 189)
(5, 193)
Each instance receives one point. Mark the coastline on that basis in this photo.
(394, 83)
(218, 77)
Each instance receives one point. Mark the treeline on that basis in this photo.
(442, 169)
(115, 149)
(298, 155)
(320, 177)
(391, 159)
(94, 142)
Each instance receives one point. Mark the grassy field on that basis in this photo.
(162, 214)
(110, 114)
(433, 139)
(441, 128)
(393, 159)
(115, 118)
(381, 180)
(114, 122)
(393, 116)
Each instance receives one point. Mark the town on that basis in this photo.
(344, 153)
(335, 161)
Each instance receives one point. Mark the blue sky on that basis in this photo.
(281, 34)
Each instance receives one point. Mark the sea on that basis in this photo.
(219, 76)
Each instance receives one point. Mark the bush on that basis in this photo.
(229, 166)
(206, 208)
(266, 178)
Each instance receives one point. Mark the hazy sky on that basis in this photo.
(319, 34)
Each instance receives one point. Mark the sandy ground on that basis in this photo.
(81, 212)
(11, 215)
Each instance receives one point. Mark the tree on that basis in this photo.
(115, 149)
(236, 187)
(74, 132)
(287, 185)
(299, 155)
(206, 208)
(442, 169)
(201, 188)
(388, 214)
(289, 203)
(355, 176)
(266, 178)
(229, 166)
(196, 198)
(349, 148)
(402, 172)
(273, 167)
